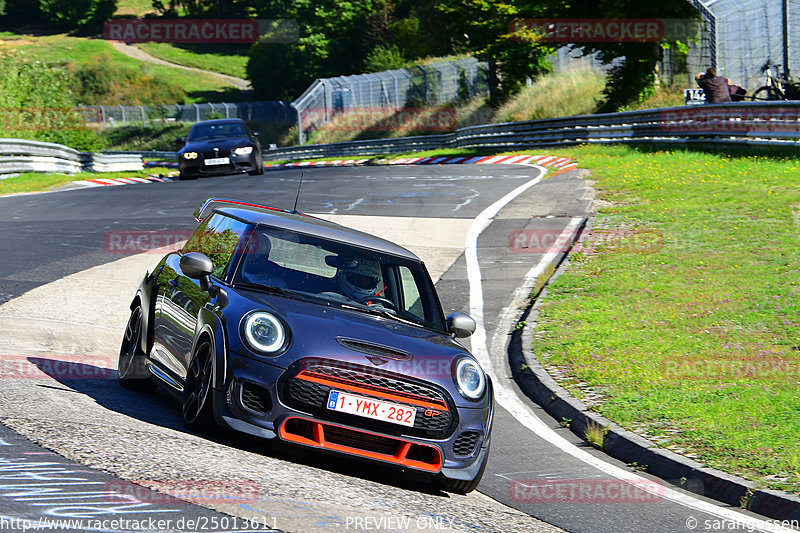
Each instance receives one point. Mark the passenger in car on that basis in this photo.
(257, 267)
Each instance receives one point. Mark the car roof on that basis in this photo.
(300, 223)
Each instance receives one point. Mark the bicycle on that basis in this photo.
(776, 87)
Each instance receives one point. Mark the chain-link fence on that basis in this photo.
(121, 115)
(420, 86)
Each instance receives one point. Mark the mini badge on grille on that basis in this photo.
(377, 361)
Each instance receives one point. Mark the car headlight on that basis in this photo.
(243, 150)
(264, 332)
(190, 155)
(469, 378)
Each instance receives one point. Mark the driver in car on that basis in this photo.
(358, 279)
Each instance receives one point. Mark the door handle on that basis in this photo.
(173, 282)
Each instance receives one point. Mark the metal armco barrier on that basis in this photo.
(20, 155)
(719, 125)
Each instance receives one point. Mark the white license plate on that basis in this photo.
(370, 408)
(217, 161)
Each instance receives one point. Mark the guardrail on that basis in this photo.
(741, 124)
(21, 155)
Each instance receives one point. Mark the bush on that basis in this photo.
(384, 58)
(103, 82)
(85, 16)
(36, 104)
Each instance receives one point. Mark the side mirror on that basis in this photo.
(460, 325)
(180, 140)
(198, 266)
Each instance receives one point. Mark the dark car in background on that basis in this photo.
(286, 326)
(223, 146)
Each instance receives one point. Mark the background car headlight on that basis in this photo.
(469, 378)
(264, 332)
(243, 150)
(190, 155)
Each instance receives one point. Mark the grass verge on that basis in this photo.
(680, 308)
(225, 59)
(38, 182)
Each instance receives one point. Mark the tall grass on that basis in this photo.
(561, 94)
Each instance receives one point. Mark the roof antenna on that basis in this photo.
(298, 193)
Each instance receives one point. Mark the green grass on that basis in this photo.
(134, 7)
(682, 307)
(225, 59)
(36, 181)
(63, 49)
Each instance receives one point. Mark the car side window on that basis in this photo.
(412, 303)
(217, 238)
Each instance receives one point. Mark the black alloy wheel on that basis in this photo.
(197, 393)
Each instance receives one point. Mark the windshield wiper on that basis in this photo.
(267, 288)
(380, 311)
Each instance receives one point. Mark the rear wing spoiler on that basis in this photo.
(211, 204)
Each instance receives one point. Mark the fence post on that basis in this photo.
(197, 112)
(227, 113)
(124, 120)
(144, 120)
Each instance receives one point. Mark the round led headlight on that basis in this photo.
(469, 378)
(243, 150)
(190, 155)
(264, 332)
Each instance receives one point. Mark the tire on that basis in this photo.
(131, 357)
(464, 486)
(767, 94)
(183, 176)
(198, 391)
(257, 172)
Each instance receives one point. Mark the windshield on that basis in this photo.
(202, 132)
(340, 274)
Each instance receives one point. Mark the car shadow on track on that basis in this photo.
(159, 408)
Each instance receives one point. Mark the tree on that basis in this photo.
(85, 16)
(332, 42)
(633, 74)
(483, 27)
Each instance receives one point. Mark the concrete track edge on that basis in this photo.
(537, 384)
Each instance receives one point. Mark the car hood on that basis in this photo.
(319, 330)
(223, 143)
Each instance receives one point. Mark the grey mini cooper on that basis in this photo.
(286, 326)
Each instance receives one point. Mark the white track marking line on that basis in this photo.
(507, 398)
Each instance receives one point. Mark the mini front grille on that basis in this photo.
(308, 390)
(356, 374)
(362, 441)
(254, 398)
(465, 443)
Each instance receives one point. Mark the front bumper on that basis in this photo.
(252, 402)
(237, 164)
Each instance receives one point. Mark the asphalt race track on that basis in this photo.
(64, 292)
